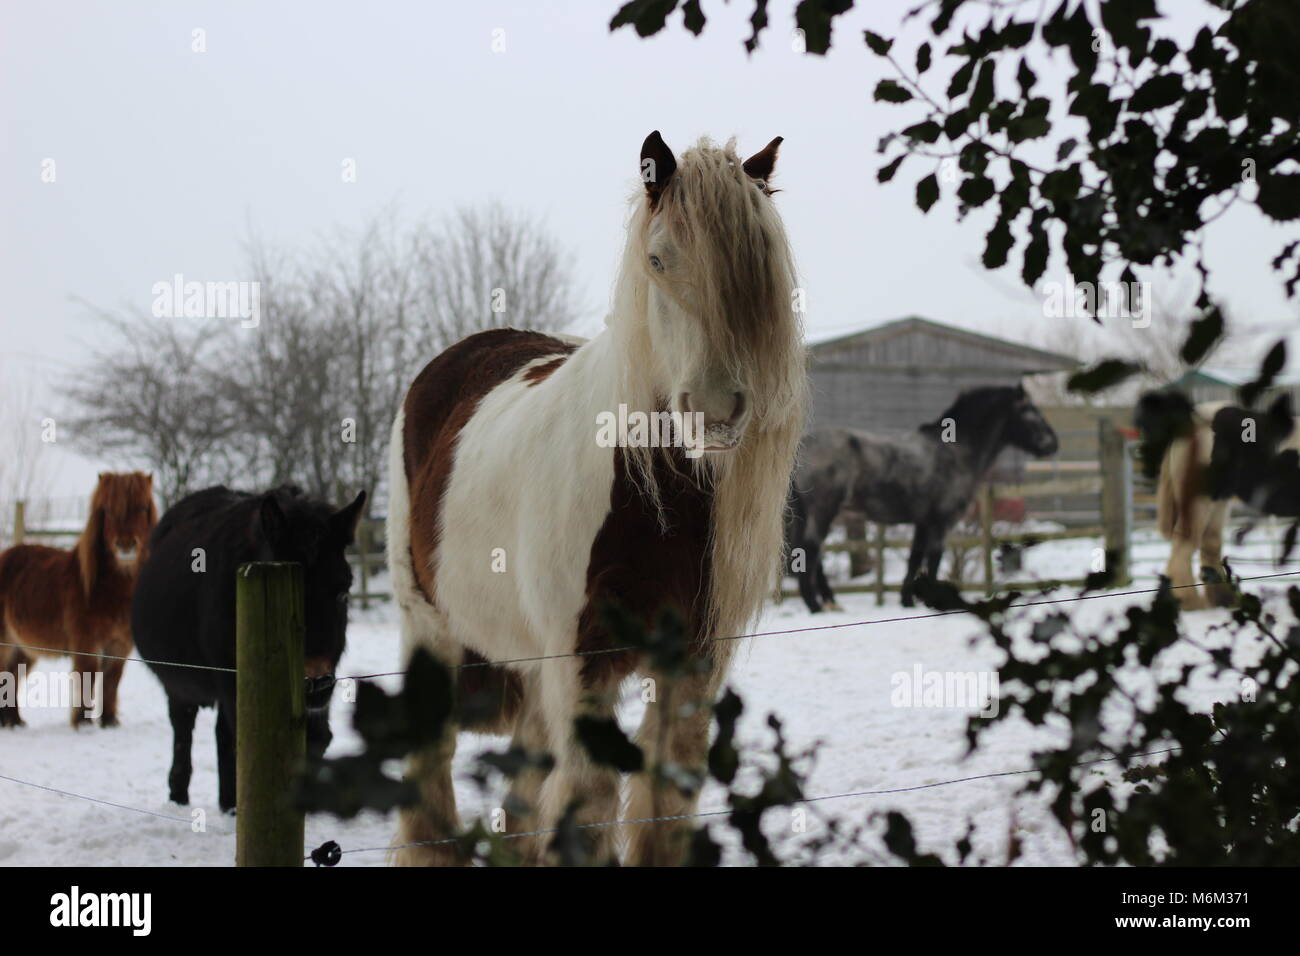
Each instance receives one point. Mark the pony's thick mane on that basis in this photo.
(115, 493)
(728, 233)
(975, 402)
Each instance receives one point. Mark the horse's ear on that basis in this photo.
(761, 164)
(274, 523)
(344, 521)
(657, 166)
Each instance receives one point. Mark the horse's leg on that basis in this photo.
(83, 664)
(934, 551)
(112, 668)
(11, 658)
(1183, 542)
(524, 801)
(226, 754)
(577, 780)
(178, 780)
(1217, 593)
(920, 540)
(422, 827)
(674, 730)
(810, 558)
(824, 589)
(808, 576)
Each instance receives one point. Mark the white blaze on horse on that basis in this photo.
(511, 526)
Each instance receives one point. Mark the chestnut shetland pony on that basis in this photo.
(511, 526)
(78, 602)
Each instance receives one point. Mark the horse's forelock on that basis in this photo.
(118, 491)
(741, 270)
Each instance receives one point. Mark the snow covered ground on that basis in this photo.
(832, 686)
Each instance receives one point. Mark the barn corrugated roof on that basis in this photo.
(1038, 360)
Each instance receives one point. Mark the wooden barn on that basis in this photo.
(904, 373)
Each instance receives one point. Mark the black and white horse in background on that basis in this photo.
(926, 478)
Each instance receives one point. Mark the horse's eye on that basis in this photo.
(656, 264)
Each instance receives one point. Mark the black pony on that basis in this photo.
(184, 607)
(925, 478)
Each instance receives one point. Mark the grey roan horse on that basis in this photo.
(925, 478)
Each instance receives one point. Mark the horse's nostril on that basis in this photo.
(738, 412)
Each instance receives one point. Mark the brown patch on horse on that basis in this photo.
(78, 602)
(488, 697)
(441, 400)
(540, 373)
(642, 569)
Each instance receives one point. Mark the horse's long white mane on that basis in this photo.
(741, 276)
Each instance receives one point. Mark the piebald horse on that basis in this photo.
(512, 524)
(78, 602)
(1225, 452)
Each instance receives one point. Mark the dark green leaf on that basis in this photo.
(1160, 91)
(1105, 374)
(982, 95)
(814, 18)
(886, 172)
(1204, 333)
(606, 743)
(693, 16)
(927, 191)
(646, 16)
(1279, 196)
(997, 244)
(975, 190)
(1025, 77)
(925, 132)
(890, 92)
(724, 760)
(878, 44)
(961, 79)
(922, 58)
(1036, 250)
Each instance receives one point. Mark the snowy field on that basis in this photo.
(831, 686)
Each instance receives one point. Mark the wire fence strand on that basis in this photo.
(829, 627)
(700, 814)
(107, 803)
(723, 812)
(899, 619)
(114, 657)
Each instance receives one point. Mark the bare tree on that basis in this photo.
(487, 268)
(24, 468)
(150, 400)
(308, 395)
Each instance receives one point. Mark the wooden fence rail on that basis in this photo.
(366, 555)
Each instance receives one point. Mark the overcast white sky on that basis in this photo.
(167, 158)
